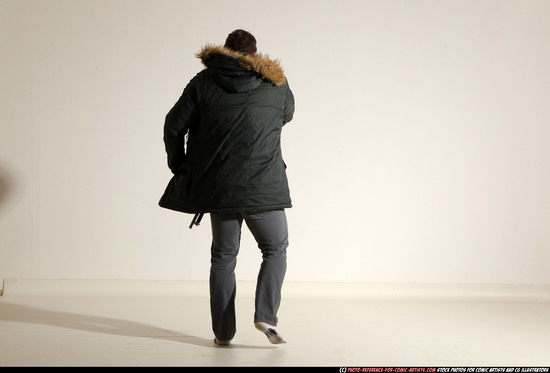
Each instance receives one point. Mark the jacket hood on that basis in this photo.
(260, 65)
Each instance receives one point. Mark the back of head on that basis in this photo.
(241, 41)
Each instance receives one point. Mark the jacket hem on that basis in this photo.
(224, 210)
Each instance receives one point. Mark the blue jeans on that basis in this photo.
(271, 233)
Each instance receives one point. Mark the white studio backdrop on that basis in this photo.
(419, 151)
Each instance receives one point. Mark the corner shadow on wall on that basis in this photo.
(99, 324)
(6, 185)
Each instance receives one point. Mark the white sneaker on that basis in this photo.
(271, 332)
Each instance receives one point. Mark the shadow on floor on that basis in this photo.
(106, 325)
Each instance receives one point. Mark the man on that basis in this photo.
(223, 141)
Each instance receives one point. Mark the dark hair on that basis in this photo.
(241, 41)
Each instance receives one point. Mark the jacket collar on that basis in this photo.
(260, 64)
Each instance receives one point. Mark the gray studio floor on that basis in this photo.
(325, 325)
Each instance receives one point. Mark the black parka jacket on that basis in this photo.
(223, 136)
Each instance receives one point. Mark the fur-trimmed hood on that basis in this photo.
(262, 65)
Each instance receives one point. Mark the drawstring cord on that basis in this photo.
(196, 220)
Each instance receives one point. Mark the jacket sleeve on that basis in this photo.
(288, 112)
(179, 119)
